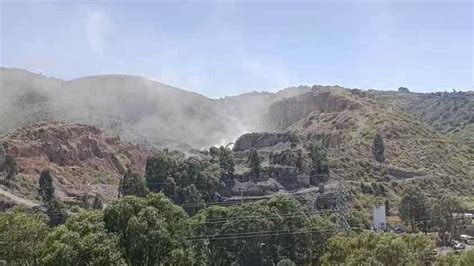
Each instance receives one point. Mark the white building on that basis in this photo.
(379, 220)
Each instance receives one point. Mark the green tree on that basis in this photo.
(82, 241)
(148, 240)
(379, 249)
(414, 207)
(158, 168)
(11, 168)
(46, 187)
(132, 184)
(22, 236)
(387, 207)
(318, 153)
(378, 148)
(56, 212)
(254, 162)
(442, 220)
(403, 90)
(224, 157)
(247, 234)
(97, 204)
(150, 229)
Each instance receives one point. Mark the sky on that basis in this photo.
(220, 48)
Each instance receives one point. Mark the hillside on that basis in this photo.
(82, 159)
(348, 121)
(138, 109)
(450, 113)
(154, 115)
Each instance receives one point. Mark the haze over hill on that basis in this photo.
(141, 110)
(157, 116)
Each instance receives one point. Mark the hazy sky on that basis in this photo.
(227, 47)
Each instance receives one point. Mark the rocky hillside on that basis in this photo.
(450, 113)
(82, 159)
(138, 109)
(348, 121)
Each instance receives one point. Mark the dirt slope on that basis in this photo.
(82, 159)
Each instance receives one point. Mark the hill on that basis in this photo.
(450, 113)
(82, 159)
(348, 121)
(138, 109)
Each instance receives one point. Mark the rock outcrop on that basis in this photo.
(260, 140)
(81, 157)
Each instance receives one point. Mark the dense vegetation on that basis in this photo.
(152, 230)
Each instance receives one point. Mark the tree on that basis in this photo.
(46, 188)
(239, 238)
(378, 148)
(22, 236)
(148, 241)
(85, 201)
(149, 229)
(403, 90)
(441, 210)
(379, 249)
(158, 168)
(224, 157)
(82, 241)
(318, 153)
(97, 204)
(132, 184)
(414, 207)
(11, 169)
(56, 212)
(387, 207)
(254, 162)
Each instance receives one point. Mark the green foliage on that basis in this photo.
(46, 188)
(97, 204)
(189, 181)
(379, 249)
(414, 207)
(82, 241)
(378, 148)
(224, 157)
(465, 259)
(132, 184)
(442, 220)
(254, 162)
(247, 234)
(158, 168)
(151, 230)
(318, 153)
(403, 90)
(11, 169)
(56, 212)
(22, 236)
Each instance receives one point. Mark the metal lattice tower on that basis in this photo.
(342, 207)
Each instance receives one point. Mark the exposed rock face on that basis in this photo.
(286, 112)
(260, 140)
(82, 158)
